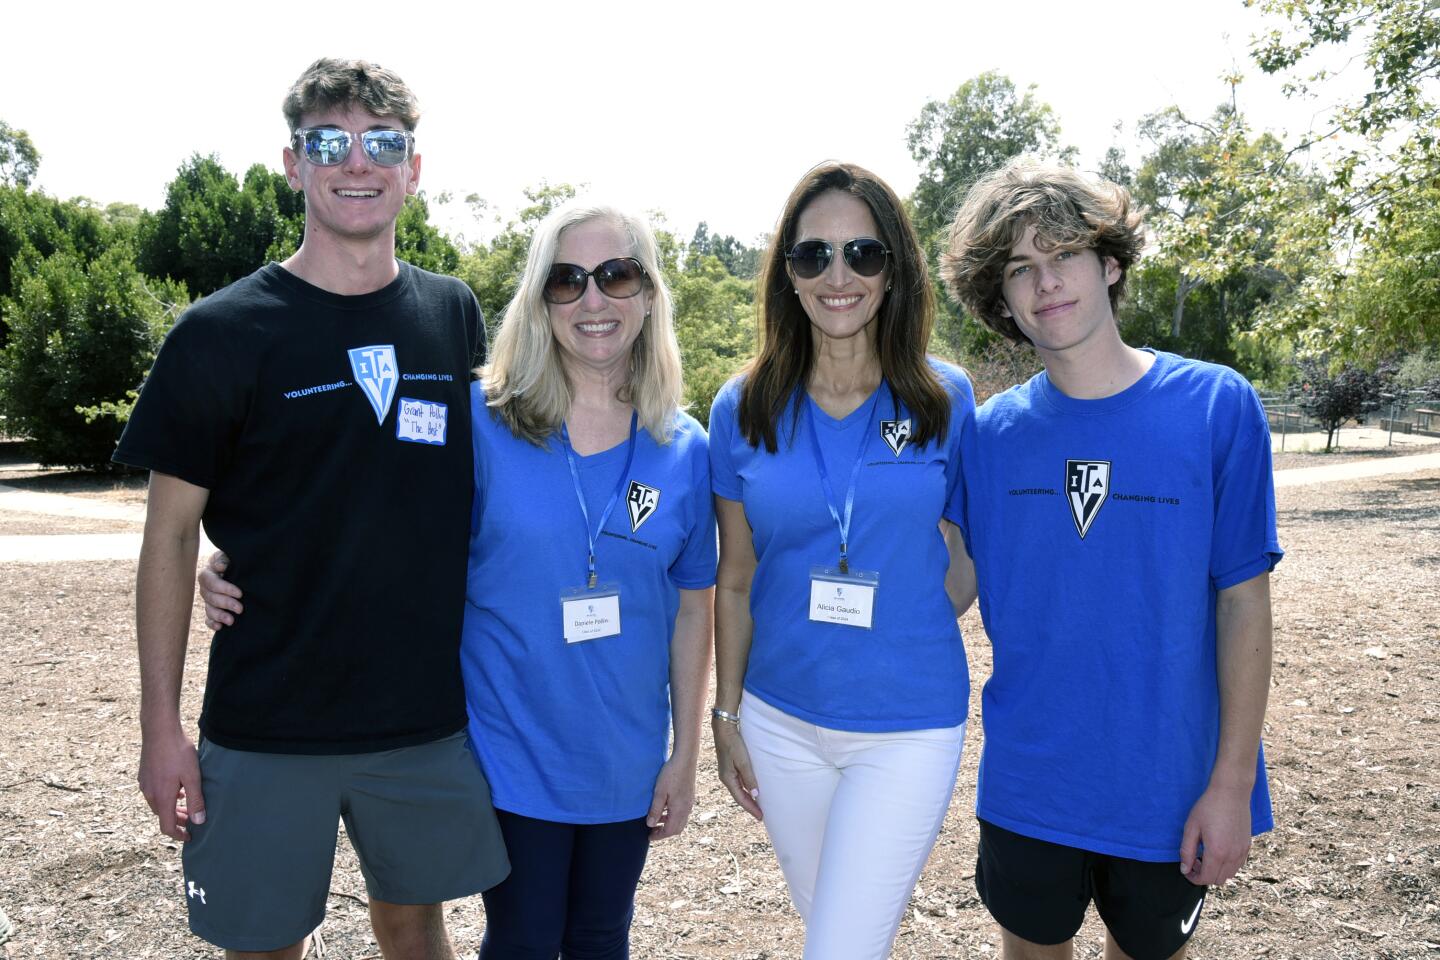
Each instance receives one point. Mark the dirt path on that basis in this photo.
(1352, 738)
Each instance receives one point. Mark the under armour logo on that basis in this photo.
(1087, 485)
(194, 891)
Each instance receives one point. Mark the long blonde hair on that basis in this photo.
(525, 382)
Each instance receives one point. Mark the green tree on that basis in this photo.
(34, 225)
(1386, 135)
(19, 160)
(1215, 197)
(985, 123)
(714, 322)
(212, 230)
(1383, 170)
(419, 242)
(493, 269)
(1385, 301)
(82, 335)
(738, 259)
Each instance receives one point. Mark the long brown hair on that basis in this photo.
(903, 325)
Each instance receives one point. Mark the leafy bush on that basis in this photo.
(81, 336)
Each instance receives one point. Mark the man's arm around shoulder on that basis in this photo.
(1220, 819)
(164, 594)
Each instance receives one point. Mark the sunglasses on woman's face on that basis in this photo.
(620, 279)
(329, 146)
(810, 258)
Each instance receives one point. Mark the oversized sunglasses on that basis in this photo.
(620, 278)
(328, 146)
(810, 258)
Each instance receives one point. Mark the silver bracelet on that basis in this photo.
(725, 715)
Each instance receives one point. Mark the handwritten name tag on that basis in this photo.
(421, 421)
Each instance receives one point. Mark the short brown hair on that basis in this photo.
(1067, 209)
(328, 83)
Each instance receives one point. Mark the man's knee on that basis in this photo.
(410, 931)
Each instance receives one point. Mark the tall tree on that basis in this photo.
(19, 160)
(1213, 195)
(1382, 171)
(1386, 136)
(714, 322)
(984, 123)
(212, 230)
(493, 269)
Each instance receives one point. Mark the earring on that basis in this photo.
(888, 285)
(647, 313)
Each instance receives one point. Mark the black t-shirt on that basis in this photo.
(333, 434)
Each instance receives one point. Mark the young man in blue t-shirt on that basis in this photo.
(1119, 510)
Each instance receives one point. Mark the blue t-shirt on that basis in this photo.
(577, 732)
(906, 673)
(1101, 531)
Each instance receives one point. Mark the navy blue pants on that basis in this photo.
(570, 893)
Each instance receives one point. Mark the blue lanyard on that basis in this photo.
(842, 523)
(592, 535)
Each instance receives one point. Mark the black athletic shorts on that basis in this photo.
(1039, 891)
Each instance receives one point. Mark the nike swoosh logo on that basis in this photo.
(1187, 925)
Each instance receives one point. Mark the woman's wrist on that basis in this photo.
(722, 716)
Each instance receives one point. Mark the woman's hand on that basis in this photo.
(733, 760)
(221, 597)
(674, 799)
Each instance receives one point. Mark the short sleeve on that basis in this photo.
(1245, 543)
(475, 331)
(962, 409)
(191, 407)
(958, 505)
(694, 568)
(724, 475)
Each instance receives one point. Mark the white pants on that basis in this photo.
(852, 817)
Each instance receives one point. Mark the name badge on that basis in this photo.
(846, 598)
(590, 614)
(421, 421)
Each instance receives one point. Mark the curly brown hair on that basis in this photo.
(1068, 211)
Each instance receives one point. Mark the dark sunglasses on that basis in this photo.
(328, 146)
(810, 258)
(620, 278)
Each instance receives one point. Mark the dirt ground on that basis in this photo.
(1352, 738)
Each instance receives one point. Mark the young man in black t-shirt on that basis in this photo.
(314, 416)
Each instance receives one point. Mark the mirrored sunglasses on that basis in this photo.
(810, 258)
(328, 146)
(620, 278)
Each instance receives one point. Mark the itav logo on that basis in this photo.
(895, 433)
(1087, 486)
(641, 500)
(376, 373)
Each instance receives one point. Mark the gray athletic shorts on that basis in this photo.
(257, 872)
